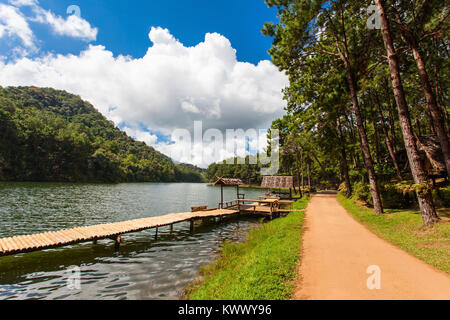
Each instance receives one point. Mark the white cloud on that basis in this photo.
(14, 24)
(140, 135)
(189, 107)
(23, 3)
(170, 87)
(72, 26)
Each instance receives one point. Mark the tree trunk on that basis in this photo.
(436, 114)
(308, 164)
(427, 208)
(355, 156)
(364, 144)
(392, 125)
(437, 121)
(299, 176)
(388, 140)
(344, 161)
(376, 137)
(303, 176)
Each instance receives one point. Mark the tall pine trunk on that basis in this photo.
(368, 162)
(388, 140)
(427, 208)
(308, 164)
(392, 123)
(344, 160)
(436, 118)
(435, 112)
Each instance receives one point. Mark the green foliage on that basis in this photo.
(51, 135)
(393, 196)
(361, 192)
(248, 173)
(261, 269)
(442, 196)
(341, 107)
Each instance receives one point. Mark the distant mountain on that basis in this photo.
(52, 135)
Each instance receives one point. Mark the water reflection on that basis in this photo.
(142, 269)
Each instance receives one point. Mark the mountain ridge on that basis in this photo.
(53, 135)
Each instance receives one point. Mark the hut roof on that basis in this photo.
(430, 145)
(229, 182)
(278, 182)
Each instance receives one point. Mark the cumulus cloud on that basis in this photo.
(147, 137)
(170, 87)
(23, 3)
(15, 27)
(14, 24)
(72, 26)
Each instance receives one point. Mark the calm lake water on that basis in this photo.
(142, 269)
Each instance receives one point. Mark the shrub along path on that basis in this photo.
(337, 251)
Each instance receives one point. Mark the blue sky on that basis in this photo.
(151, 67)
(123, 26)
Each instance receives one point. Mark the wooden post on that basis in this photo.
(192, 225)
(221, 196)
(117, 240)
(156, 234)
(271, 211)
(94, 241)
(171, 228)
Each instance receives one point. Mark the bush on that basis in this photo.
(342, 188)
(391, 196)
(361, 191)
(442, 196)
(393, 199)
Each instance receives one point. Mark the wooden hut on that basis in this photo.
(279, 182)
(432, 156)
(229, 182)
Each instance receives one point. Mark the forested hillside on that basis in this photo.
(51, 135)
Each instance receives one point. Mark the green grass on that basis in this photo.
(263, 268)
(404, 228)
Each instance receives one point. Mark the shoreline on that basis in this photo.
(262, 268)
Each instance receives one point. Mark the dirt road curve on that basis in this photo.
(337, 251)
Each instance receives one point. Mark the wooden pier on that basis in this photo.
(114, 231)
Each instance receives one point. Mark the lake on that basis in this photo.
(142, 269)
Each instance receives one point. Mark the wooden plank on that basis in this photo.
(34, 241)
(10, 244)
(25, 242)
(5, 245)
(18, 242)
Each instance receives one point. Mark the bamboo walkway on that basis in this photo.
(48, 240)
(113, 231)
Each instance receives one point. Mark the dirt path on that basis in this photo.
(337, 251)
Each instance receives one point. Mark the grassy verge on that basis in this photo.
(404, 228)
(263, 268)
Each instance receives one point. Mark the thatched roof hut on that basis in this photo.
(278, 182)
(231, 182)
(434, 158)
